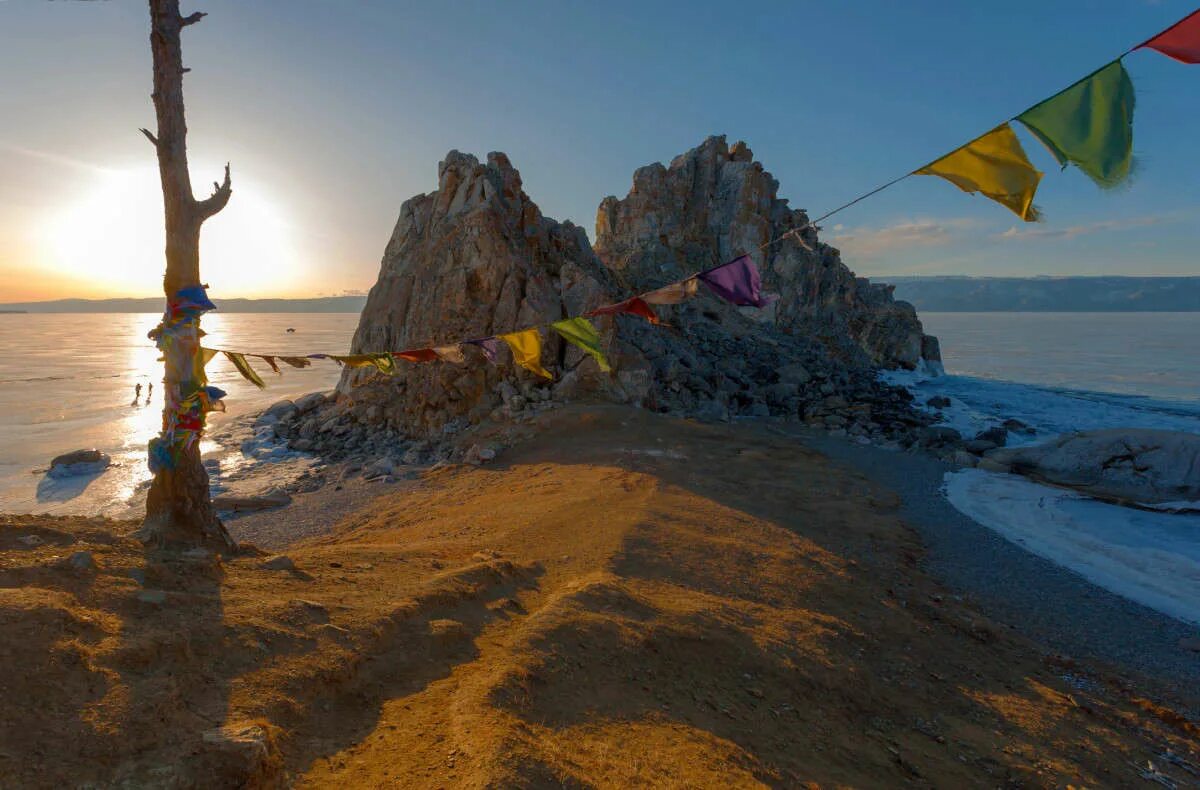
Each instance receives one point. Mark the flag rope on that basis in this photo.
(895, 181)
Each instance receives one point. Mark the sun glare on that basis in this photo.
(111, 240)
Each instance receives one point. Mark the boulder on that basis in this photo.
(274, 497)
(81, 562)
(938, 402)
(934, 436)
(997, 435)
(307, 403)
(1016, 426)
(79, 462)
(979, 446)
(277, 411)
(1137, 465)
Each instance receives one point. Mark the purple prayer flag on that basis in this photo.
(490, 346)
(737, 281)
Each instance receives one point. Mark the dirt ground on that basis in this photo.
(622, 600)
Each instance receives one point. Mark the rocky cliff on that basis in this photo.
(472, 259)
(476, 258)
(714, 203)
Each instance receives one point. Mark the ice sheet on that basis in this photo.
(1151, 558)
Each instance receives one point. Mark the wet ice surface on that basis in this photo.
(1149, 557)
(66, 383)
(976, 404)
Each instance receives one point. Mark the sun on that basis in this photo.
(111, 239)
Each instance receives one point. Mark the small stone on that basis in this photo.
(1190, 643)
(963, 458)
(759, 409)
(1016, 426)
(81, 562)
(382, 467)
(311, 609)
(997, 435)
(280, 562)
(979, 446)
(333, 631)
(32, 541)
(938, 436)
(938, 402)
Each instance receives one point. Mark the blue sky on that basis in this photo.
(333, 113)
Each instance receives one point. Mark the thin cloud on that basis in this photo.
(871, 242)
(57, 159)
(1027, 233)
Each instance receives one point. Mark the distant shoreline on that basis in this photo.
(324, 304)
(1049, 294)
(935, 294)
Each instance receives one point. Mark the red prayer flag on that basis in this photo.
(417, 355)
(1180, 41)
(633, 306)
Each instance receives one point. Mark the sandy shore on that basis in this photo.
(623, 599)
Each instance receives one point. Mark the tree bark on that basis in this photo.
(179, 510)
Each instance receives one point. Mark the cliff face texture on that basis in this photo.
(472, 259)
(476, 258)
(714, 203)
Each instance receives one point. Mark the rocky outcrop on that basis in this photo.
(714, 203)
(1137, 465)
(474, 258)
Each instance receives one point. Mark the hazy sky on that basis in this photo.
(333, 112)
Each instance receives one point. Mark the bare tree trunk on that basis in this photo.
(179, 511)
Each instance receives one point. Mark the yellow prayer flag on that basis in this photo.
(994, 165)
(527, 350)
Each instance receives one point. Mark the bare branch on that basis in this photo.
(153, 140)
(215, 202)
(191, 19)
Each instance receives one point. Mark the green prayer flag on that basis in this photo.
(1090, 124)
(580, 332)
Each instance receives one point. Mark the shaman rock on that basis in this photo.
(472, 259)
(716, 202)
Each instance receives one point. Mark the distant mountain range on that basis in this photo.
(323, 304)
(934, 294)
(1049, 294)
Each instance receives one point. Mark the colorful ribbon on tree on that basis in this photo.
(187, 396)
